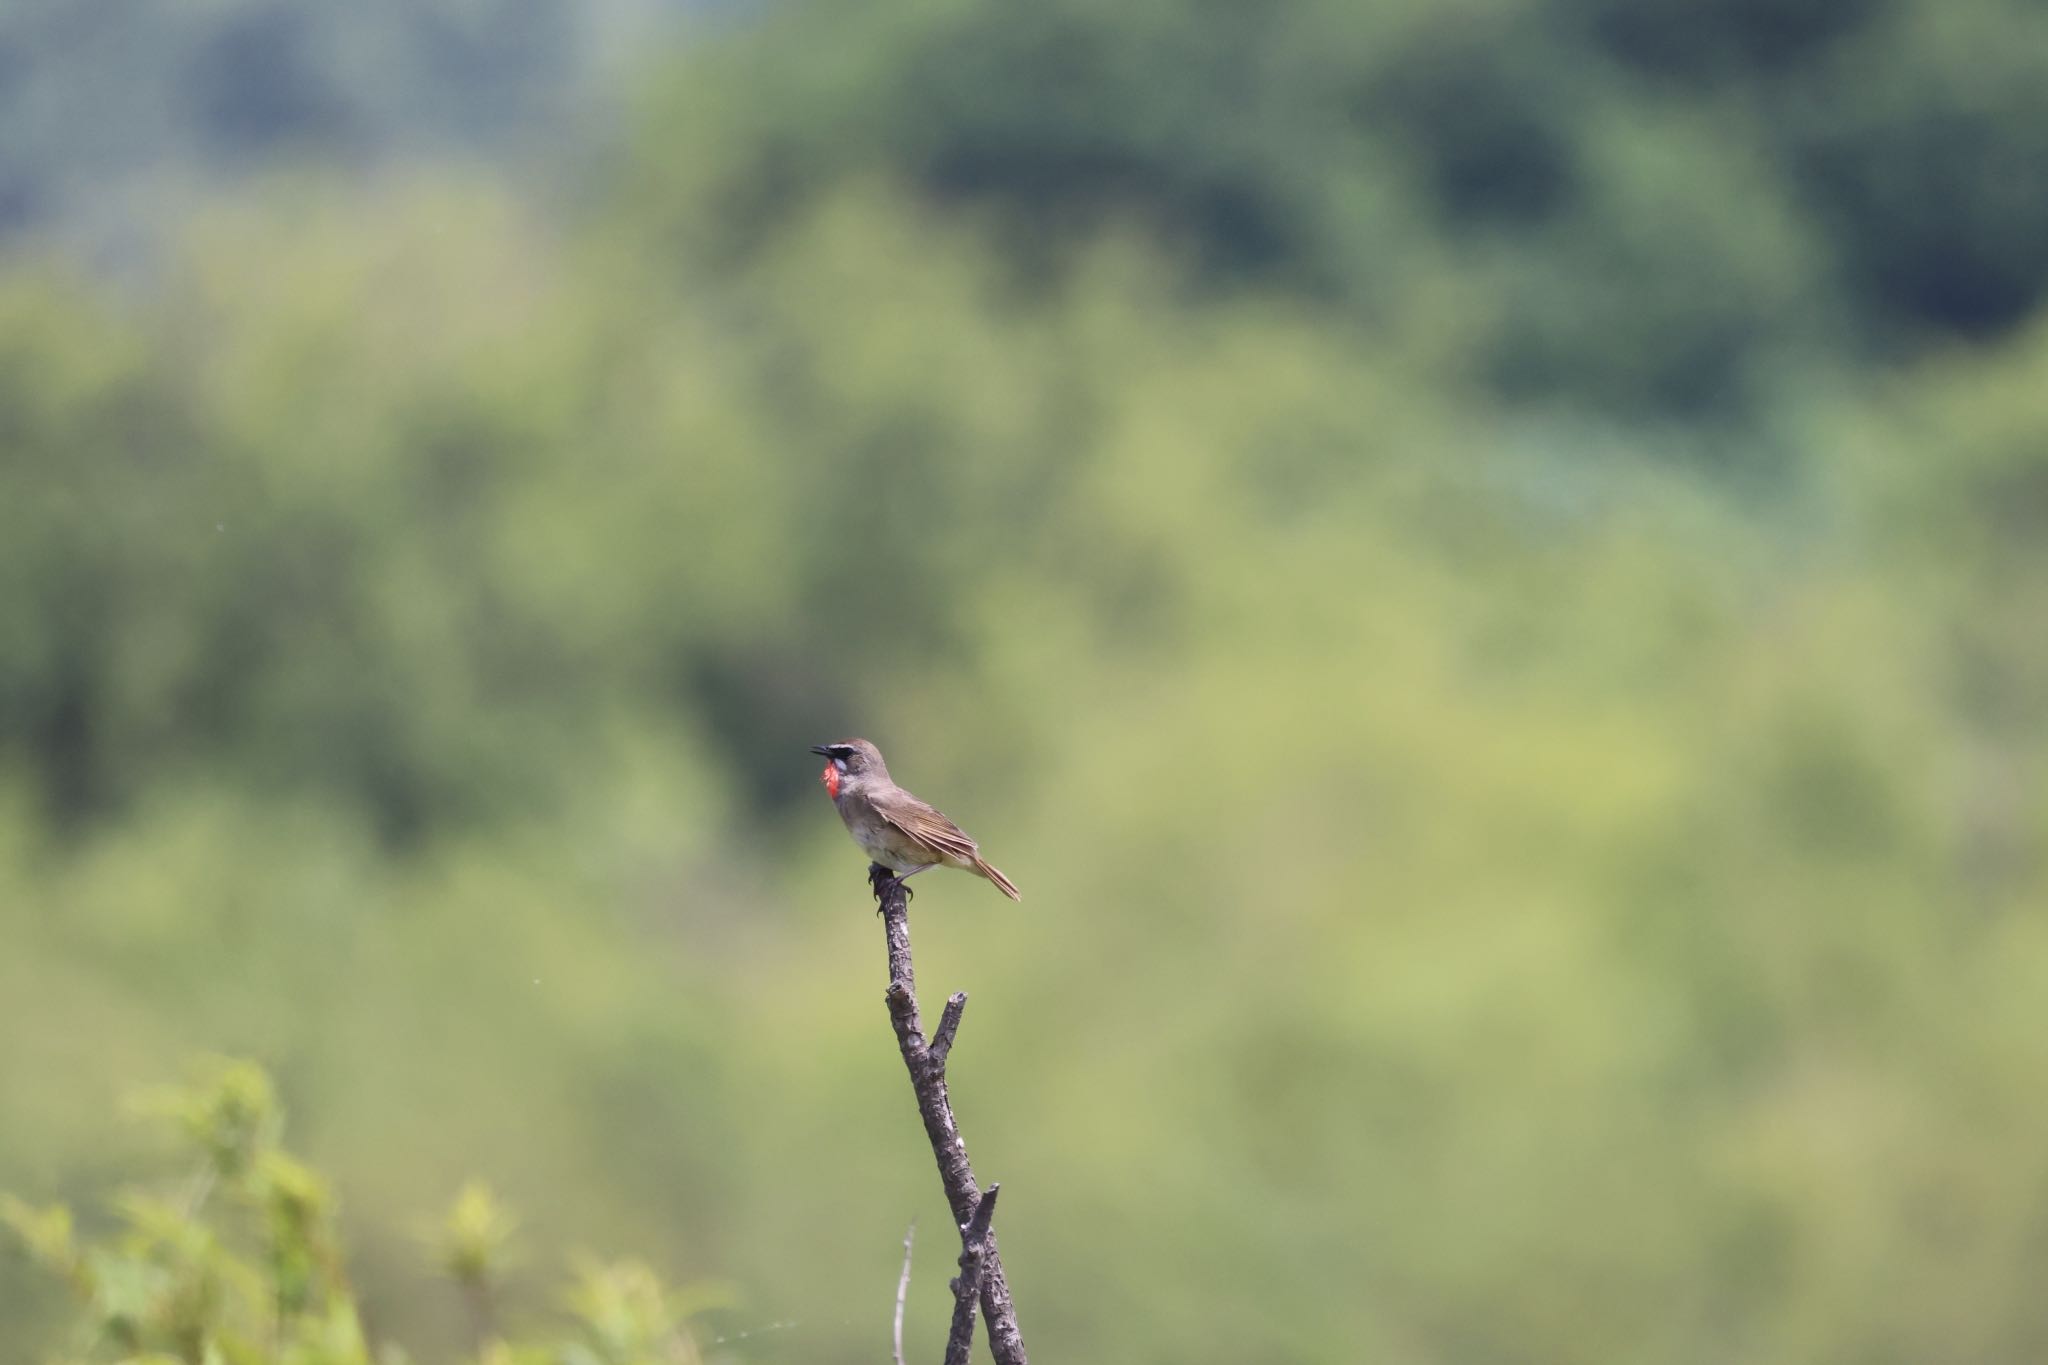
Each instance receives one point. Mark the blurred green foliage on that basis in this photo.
(1483, 568)
(242, 1266)
(1650, 207)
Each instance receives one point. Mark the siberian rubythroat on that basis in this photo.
(895, 829)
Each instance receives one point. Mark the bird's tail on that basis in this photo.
(1008, 887)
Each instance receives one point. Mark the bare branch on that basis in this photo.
(928, 1081)
(903, 1288)
(949, 1024)
(974, 1248)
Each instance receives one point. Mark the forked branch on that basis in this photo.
(926, 1063)
(974, 1236)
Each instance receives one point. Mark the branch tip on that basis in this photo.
(949, 1024)
(976, 1228)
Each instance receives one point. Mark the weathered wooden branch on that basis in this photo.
(974, 1235)
(927, 1066)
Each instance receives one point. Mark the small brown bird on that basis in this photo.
(894, 828)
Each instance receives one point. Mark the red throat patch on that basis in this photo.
(830, 777)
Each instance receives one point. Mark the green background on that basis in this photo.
(1483, 565)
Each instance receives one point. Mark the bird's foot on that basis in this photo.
(879, 880)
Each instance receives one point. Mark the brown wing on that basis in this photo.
(926, 825)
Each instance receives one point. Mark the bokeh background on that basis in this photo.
(1483, 563)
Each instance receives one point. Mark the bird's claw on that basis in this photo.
(879, 878)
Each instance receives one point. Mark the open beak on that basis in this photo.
(821, 751)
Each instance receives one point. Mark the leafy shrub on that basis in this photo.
(241, 1264)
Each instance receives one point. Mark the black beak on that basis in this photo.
(821, 750)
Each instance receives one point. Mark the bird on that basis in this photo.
(895, 829)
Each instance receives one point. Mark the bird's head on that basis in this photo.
(850, 763)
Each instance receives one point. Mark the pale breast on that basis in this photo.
(880, 840)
